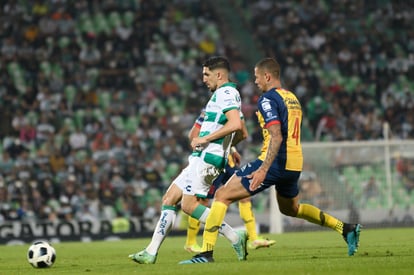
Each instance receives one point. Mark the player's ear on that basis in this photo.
(219, 74)
(267, 76)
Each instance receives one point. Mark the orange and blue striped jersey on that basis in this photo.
(282, 106)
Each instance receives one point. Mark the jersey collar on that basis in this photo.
(229, 84)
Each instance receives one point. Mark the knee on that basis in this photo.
(222, 196)
(186, 209)
(289, 211)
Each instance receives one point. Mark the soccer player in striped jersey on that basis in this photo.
(245, 205)
(220, 130)
(279, 165)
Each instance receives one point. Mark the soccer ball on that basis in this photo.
(41, 254)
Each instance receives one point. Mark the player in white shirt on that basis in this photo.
(222, 128)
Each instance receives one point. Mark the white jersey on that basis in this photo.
(225, 98)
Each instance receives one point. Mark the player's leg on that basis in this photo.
(226, 194)
(247, 215)
(165, 222)
(350, 232)
(191, 206)
(192, 230)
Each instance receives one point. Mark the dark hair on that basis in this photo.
(216, 62)
(269, 65)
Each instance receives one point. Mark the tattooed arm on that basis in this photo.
(258, 176)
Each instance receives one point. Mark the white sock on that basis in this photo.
(161, 231)
(225, 229)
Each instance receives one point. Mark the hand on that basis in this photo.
(199, 143)
(256, 178)
(236, 158)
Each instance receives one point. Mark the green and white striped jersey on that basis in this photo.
(225, 98)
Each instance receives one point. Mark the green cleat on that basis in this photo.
(143, 257)
(351, 237)
(241, 246)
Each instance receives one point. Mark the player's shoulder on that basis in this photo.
(228, 87)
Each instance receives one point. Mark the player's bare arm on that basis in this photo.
(276, 138)
(234, 123)
(240, 135)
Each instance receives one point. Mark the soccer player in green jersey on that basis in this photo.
(220, 130)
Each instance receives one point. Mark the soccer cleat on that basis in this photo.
(195, 248)
(351, 237)
(241, 246)
(143, 257)
(202, 258)
(259, 243)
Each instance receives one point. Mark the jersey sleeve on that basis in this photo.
(200, 119)
(230, 99)
(269, 110)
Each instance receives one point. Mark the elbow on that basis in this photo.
(238, 126)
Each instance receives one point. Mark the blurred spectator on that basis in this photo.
(15, 149)
(78, 140)
(106, 95)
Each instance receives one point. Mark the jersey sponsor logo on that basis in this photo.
(188, 188)
(266, 105)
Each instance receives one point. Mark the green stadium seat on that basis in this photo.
(63, 42)
(79, 115)
(98, 114)
(131, 123)
(104, 99)
(46, 67)
(70, 123)
(32, 117)
(118, 123)
(100, 23)
(171, 171)
(366, 172)
(70, 93)
(128, 18)
(114, 19)
(58, 140)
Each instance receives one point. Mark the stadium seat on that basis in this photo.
(79, 115)
(70, 123)
(100, 23)
(70, 93)
(118, 123)
(365, 172)
(131, 123)
(350, 173)
(104, 98)
(171, 171)
(114, 19)
(46, 67)
(128, 18)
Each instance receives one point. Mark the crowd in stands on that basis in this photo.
(97, 97)
(350, 62)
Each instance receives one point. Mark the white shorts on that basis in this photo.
(197, 177)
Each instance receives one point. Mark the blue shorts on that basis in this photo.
(285, 182)
(221, 180)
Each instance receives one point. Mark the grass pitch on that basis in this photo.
(382, 251)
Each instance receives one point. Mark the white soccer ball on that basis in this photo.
(41, 254)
